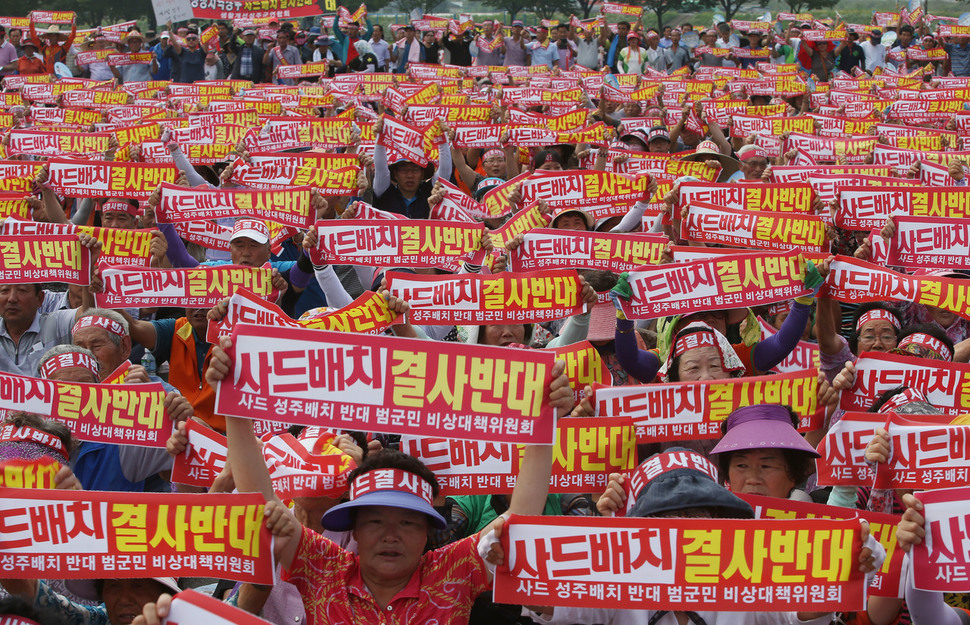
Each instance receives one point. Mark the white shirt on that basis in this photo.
(875, 55)
(382, 51)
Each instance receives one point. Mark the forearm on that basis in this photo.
(333, 290)
(632, 219)
(928, 607)
(186, 168)
(826, 329)
(83, 212)
(444, 164)
(532, 484)
(246, 459)
(55, 212)
(642, 364)
(177, 254)
(772, 350)
(573, 331)
(382, 174)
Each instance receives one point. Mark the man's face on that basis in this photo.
(98, 340)
(675, 37)
(124, 599)
(15, 36)
(516, 31)
(623, 30)
(353, 30)
(223, 31)
(709, 38)
(494, 166)
(118, 219)
(541, 35)
(390, 542)
(249, 39)
(19, 303)
(754, 167)
(667, 31)
(192, 41)
(428, 38)
(905, 38)
(407, 176)
(489, 29)
(282, 40)
(659, 145)
(198, 319)
(134, 45)
(245, 251)
(561, 32)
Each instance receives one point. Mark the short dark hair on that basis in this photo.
(906, 28)
(623, 23)
(19, 30)
(393, 459)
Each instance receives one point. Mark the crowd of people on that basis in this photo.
(654, 108)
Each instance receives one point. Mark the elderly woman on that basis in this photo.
(762, 453)
(875, 328)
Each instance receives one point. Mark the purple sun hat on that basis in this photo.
(765, 426)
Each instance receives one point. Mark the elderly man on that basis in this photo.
(281, 54)
(188, 61)
(249, 59)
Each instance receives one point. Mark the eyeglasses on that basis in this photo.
(885, 337)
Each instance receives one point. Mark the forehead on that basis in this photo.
(758, 454)
(91, 333)
(877, 325)
(704, 352)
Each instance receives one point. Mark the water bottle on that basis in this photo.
(148, 361)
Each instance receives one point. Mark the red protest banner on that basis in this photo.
(927, 452)
(729, 281)
(500, 298)
(547, 248)
(110, 413)
(39, 473)
(368, 314)
(681, 564)
(574, 189)
(403, 242)
(855, 149)
(584, 366)
(199, 287)
(940, 562)
(293, 470)
(888, 579)
(92, 534)
(946, 385)
(283, 175)
(118, 246)
(52, 144)
(102, 179)
(853, 280)
(388, 384)
(406, 140)
(930, 243)
(864, 208)
(587, 451)
(828, 186)
(694, 410)
(53, 258)
(288, 208)
(754, 229)
(789, 198)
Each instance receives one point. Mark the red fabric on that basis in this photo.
(441, 591)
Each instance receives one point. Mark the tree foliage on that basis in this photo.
(809, 6)
(584, 6)
(424, 6)
(545, 9)
(661, 7)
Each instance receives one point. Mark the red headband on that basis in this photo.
(67, 361)
(931, 343)
(395, 480)
(753, 153)
(94, 321)
(703, 338)
(877, 313)
(669, 461)
(121, 207)
(493, 152)
(901, 399)
(10, 433)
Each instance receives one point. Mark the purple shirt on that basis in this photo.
(8, 55)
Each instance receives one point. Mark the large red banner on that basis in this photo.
(941, 562)
(200, 287)
(768, 230)
(927, 452)
(547, 249)
(501, 298)
(72, 534)
(681, 564)
(288, 208)
(732, 281)
(389, 384)
(396, 242)
(30, 259)
(888, 579)
(946, 385)
(930, 243)
(694, 410)
(129, 414)
(103, 179)
(118, 246)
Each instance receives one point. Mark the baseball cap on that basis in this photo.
(254, 229)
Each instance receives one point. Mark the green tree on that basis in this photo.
(512, 7)
(585, 7)
(809, 6)
(662, 7)
(424, 6)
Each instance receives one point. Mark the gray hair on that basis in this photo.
(64, 348)
(108, 313)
